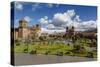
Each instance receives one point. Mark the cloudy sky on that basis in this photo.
(55, 17)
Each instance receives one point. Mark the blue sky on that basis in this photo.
(34, 12)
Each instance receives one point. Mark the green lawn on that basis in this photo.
(50, 49)
(42, 48)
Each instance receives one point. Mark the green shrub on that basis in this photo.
(79, 49)
(67, 53)
(59, 53)
(17, 44)
(33, 52)
(47, 52)
(25, 50)
(89, 55)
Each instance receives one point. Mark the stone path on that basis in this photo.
(27, 59)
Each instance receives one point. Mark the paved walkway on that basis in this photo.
(27, 59)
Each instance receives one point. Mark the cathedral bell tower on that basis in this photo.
(23, 24)
(23, 29)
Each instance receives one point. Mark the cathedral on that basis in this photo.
(24, 32)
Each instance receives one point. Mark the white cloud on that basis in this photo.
(27, 18)
(77, 18)
(70, 13)
(46, 17)
(68, 18)
(44, 20)
(89, 24)
(85, 25)
(18, 6)
(35, 6)
(50, 26)
(61, 19)
(50, 21)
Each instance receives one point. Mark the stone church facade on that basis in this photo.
(24, 32)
